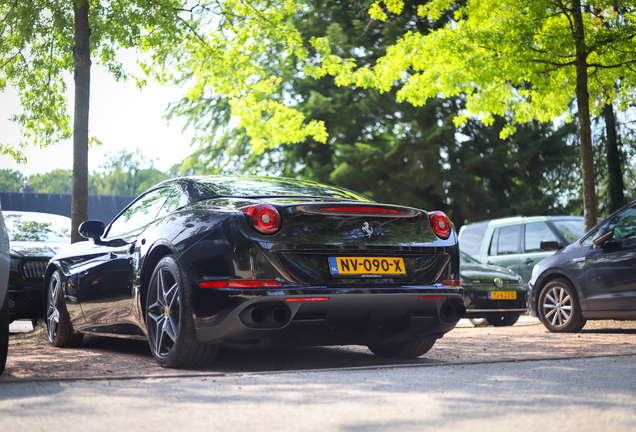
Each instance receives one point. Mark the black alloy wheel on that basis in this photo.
(169, 321)
(559, 308)
(58, 322)
(407, 349)
(4, 332)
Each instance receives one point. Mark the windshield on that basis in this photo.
(250, 186)
(570, 229)
(41, 227)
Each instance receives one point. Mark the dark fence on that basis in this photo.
(100, 207)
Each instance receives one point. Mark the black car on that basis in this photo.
(199, 262)
(593, 278)
(492, 295)
(35, 238)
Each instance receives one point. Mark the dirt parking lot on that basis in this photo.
(31, 356)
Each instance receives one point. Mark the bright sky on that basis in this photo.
(121, 116)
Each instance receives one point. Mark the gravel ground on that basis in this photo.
(31, 356)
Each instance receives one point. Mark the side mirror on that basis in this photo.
(546, 245)
(602, 236)
(91, 229)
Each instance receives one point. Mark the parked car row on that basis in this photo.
(196, 263)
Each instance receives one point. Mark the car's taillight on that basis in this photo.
(441, 224)
(361, 209)
(264, 218)
(240, 283)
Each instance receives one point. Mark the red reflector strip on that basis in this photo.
(451, 282)
(432, 297)
(361, 210)
(304, 299)
(240, 284)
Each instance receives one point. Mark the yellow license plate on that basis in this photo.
(502, 295)
(366, 266)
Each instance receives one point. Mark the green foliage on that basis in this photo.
(36, 53)
(124, 173)
(533, 171)
(512, 59)
(58, 181)
(127, 173)
(390, 151)
(10, 180)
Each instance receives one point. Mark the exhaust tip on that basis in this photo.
(266, 315)
(448, 310)
(278, 315)
(257, 315)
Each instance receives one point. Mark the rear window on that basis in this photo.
(471, 237)
(248, 186)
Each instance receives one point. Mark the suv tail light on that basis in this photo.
(441, 224)
(264, 218)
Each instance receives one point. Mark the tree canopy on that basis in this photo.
(517, 59)
(392, 151)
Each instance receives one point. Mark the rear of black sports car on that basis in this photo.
(323, 272)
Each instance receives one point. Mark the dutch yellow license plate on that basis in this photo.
(502, 295)
(366, 266)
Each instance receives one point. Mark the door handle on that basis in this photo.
(112, 256)
(527, 261)
(489, 263)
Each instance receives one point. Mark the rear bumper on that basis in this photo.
(334, 319)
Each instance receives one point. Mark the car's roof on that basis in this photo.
(524, 219)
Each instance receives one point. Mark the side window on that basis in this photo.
(508, 242)
(624, 225)
(537, 232)
(174, 201)
(140, 213)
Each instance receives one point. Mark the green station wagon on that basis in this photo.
(521, 242)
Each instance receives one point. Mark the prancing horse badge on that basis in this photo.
(367, 229)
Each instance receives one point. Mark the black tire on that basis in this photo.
(504, 321)
(559, 308)
(479, 322)
(169, 321)
(4, 332)
(407, 349)
(58, 322)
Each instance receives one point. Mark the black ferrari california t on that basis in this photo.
(196, 263)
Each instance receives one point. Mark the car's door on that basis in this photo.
(534, 234)
(610, 271)
(504, 247)
(104, 283)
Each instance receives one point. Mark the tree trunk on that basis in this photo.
(616, 186)
(585, 130)
(82, 56)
